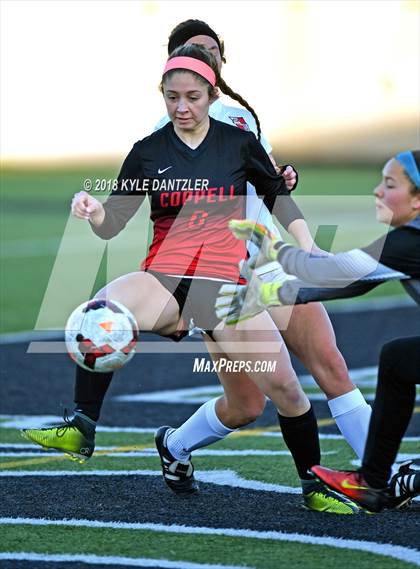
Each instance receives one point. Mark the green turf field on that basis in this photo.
(41, 247)
(115, 509)
(120, 454)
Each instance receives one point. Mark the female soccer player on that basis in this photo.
(195, 171)
(308, 334)
(396, 255)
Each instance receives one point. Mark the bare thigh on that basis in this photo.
(310, 336)
(255, 341)
(154, 308)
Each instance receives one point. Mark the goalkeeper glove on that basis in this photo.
(261, 236)
(240, 302)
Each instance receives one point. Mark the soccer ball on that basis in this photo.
(101, 335)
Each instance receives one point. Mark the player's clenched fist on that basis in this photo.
(290, 176)
(84, 206)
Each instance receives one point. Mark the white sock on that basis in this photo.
(352, 415)
(201, 429)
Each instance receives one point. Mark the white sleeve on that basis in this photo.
(255, 208)
(263, 140)
(164, 120)
(341, 269)
(258, 212)
(266, 145)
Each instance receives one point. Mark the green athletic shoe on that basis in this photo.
(319, 498)
(70, 437)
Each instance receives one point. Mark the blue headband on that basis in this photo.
(406, 159)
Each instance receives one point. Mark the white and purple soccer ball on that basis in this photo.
(101, 335)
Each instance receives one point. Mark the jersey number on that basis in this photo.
(198, 218)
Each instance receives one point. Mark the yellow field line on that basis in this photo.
(25, 462)
(274, 428)
(242, 433)
(254, 432)
(325, 422)
(47, 459)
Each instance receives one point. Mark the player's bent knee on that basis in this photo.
(244, 420)
(288, 391)
(240, 416)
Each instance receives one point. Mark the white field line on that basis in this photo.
(408, 554)
(151, 452)
(110, 560)
(38, 421)
(401, 457)
(35, 421)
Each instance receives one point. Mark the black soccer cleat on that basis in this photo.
(404, 486)
(178, 475)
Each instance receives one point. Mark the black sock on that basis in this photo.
(301, 437)
(89, 391)
(84, 423)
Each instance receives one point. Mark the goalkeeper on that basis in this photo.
(394, 256)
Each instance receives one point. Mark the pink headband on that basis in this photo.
(193, 65)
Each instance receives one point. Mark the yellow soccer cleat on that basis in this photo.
(69, 437)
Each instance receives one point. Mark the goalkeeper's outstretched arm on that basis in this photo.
(320, 278)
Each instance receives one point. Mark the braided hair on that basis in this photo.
(228, 91)
(199, 52)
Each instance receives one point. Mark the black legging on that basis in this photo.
(399, 371)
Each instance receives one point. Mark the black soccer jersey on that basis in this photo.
(400, 249)
(393, 256)
(194, 193)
